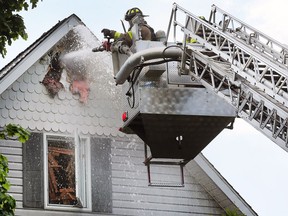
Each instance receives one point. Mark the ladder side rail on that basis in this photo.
(270, 103)
(213, 77)
(172, 24)
(263, 48)
(263, 77)
(264, 43)
(262, 112)
(222, 36)
(269, 118)
(281, 142)
(169, 25)
(278, 90)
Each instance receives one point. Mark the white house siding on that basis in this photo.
(133, 196)
(131, 193)
(27, 103)
(13, 151)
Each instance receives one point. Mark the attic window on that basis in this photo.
(66, 176)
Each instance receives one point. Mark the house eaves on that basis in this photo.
(217, 186)
(35, 51)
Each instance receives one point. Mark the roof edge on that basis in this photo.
(223, 185)
(9, 73)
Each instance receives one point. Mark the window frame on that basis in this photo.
(82, 147)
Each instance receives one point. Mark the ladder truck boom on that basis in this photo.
(257, 63)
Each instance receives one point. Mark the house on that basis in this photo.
(76, 161)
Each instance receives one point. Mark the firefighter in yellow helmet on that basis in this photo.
(147, 32)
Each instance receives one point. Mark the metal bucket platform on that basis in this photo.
(178, 123)
(178, 136)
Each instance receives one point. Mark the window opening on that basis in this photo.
(67, 172)
(61, 172)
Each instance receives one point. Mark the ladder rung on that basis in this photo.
(165, 185)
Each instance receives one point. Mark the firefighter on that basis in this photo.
(147, 32)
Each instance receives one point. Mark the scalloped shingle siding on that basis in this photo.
(27, 103)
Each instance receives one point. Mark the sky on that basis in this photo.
(250, 162)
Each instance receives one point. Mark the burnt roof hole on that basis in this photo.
(73, 55)
(52, 78)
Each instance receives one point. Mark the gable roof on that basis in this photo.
(200, 168)
(35, 51)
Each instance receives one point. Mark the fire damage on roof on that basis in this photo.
(70, 62)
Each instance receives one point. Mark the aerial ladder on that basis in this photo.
(256, 74)
(178, 96)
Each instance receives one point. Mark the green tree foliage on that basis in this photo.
(232, 212)
(7, 202)
(11, 23)
(12, 131)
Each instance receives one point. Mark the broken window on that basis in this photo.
(66, 175)
(61, 172)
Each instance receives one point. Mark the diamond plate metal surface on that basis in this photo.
(179, 101)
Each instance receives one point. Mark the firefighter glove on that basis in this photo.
(107, 33)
